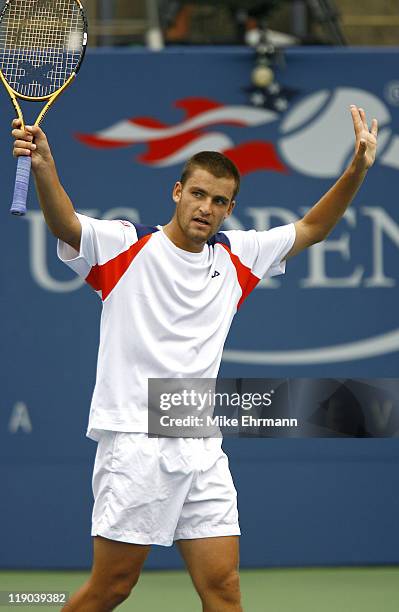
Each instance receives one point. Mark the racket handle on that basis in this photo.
(21, 186)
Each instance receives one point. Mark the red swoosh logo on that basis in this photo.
(169, 145)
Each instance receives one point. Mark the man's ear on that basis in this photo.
(177, 189)
(230, 209)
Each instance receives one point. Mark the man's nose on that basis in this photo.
(205, 207)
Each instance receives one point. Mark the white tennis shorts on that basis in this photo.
(157, 490)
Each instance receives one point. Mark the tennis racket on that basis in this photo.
(42, 46)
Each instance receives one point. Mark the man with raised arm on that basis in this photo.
(169, 296)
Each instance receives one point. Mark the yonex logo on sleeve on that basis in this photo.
(215, 274)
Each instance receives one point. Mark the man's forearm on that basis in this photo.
(55, 203)
(326, 213)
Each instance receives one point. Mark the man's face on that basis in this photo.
(202, 204)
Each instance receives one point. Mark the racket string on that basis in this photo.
(41, 43)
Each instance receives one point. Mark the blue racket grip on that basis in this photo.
(21, 186)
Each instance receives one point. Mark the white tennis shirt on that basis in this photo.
(166, 312)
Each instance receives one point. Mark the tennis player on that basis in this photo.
(169, 295)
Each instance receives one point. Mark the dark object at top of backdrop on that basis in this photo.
(254, 8)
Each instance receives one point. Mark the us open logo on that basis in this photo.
(307, 124)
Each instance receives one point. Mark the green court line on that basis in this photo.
(370, 589)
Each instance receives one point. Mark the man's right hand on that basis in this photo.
(31, 141)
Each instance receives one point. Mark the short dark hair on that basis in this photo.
(215, 163)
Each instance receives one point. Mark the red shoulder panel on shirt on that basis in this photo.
(104, 277)
(246, 278)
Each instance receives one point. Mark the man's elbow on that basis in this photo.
(321, 235)
(70, 233)
(318, 237)
(309, 234)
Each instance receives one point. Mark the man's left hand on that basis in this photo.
(366, 139)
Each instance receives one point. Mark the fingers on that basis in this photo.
(21, 135)
(363, 118)
(357, 121)
(23, 138)
(17, 152)
(359, 117)
(33, 130)
(360, 121)
(374, 127)
(23, 143)
(22, 147)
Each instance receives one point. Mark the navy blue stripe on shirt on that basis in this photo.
(219, 238)
(144, 230)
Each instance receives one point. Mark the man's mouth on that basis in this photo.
(201, 221)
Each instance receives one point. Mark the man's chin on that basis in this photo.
(200, 235)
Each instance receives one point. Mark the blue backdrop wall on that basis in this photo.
(120, 137)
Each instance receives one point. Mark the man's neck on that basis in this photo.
(175, 235)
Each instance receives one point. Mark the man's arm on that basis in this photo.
(57, 208)
(320, 220)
